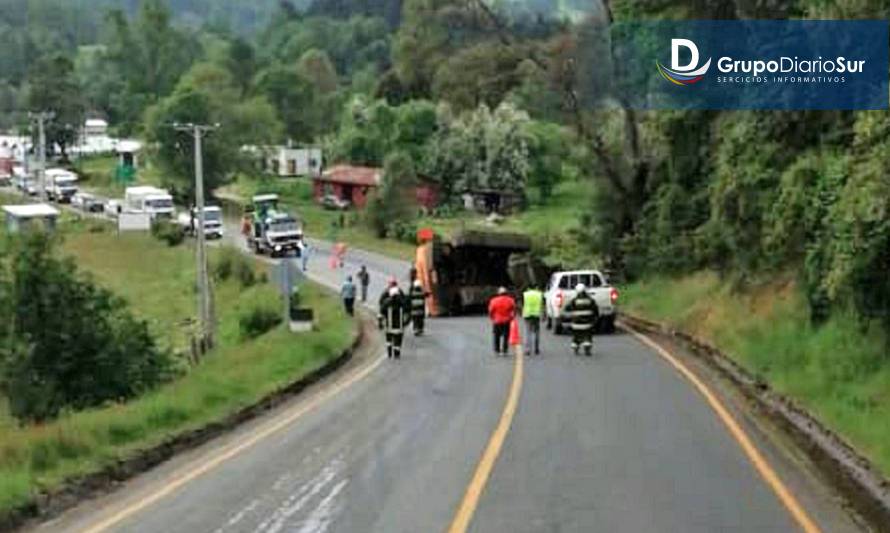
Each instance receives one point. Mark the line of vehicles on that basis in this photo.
(460, 273)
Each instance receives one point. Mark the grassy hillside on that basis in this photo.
(839, 371)
(158, 282)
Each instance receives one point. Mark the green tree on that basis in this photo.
(316, 66)
(482, 150)
(70, 343)
(295, 99)
(207, 94)
(481, 74)
(395, 203)
(53, 87)
(242, 63)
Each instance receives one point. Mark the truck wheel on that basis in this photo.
(609, 325)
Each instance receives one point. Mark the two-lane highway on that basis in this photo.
(619, 442)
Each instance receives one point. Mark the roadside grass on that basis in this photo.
(840, 371)
(158, 282)
(42, 457)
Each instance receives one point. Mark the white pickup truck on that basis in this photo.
(213, 222)
(561, 289)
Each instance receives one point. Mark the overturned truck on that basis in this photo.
(462, 273)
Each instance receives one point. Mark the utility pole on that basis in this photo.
(205, 299)
(41, 118)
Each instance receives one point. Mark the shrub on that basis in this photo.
(70, 343)
(257, 320)
(167, 231)
(231, 263)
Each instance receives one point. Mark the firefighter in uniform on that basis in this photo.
(582, 313)
(394, 313)
(417, 297)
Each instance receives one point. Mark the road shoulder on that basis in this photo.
(103, 494)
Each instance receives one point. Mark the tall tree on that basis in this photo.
(53, 87)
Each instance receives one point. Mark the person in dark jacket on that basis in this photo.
(394, 312)
(364, 279)
(417, 297)
(582, 313)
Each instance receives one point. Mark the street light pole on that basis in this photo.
(205, 307)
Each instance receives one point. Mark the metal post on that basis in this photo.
(205, 306)
(201, 252)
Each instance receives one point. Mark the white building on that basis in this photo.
(21, 217)
(94, 138)
(285, 161)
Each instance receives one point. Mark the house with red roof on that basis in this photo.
(356, 184)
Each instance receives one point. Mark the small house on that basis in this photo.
(353, 184)
(23, 217)
(286, 161)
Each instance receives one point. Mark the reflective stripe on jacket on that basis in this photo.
(581, 312)
(418, 301)
(394, 310)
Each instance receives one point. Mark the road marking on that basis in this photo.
(470, 501)
(760, 463)
(193, 472)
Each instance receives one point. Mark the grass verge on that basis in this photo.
(839, 371)
(237, 374)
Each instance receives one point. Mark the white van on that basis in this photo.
(151, 200)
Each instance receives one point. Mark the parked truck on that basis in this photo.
(270, 229)
(60, 185)
(144, 199)
(213, 222)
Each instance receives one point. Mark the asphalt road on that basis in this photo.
(618, 442)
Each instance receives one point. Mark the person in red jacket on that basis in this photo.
(501, 311)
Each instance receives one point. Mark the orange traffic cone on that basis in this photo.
(514, 338)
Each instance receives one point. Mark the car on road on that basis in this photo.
(87, 202)
(334, 203)
(561, 289)
(213, 222)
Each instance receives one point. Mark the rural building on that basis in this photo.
(22, 217)
(286, 161)
(351, 183)
(95, 127)
(7, 161)
(94, 138)
(355, 184)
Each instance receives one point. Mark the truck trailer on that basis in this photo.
(462, 273)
